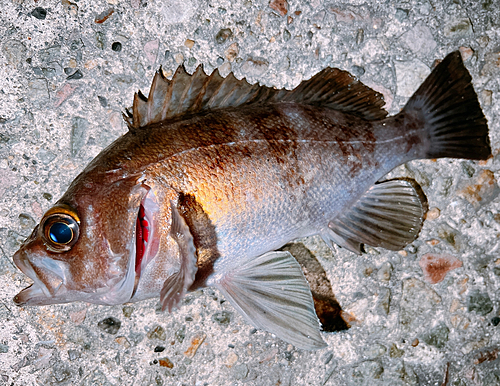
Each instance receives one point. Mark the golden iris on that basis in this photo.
(60, 231)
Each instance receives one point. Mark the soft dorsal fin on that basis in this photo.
(191, 94)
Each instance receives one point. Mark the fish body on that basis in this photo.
(215, 175)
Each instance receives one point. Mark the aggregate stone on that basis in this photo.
(40, 13)
(79, 127)
(4, 348)
(45, 156)
(223, 35)
(409, 75)
(180, 334)
(384, 300)
(438, 336)
(417, 302)
(480, 303)
(76, 75)
(384, 272)
(14, 51)
(458, 28)
(420, 40)
(223, 318)
(254, 67)
(157, 332)
(110, 325)
(368, 370)
(375, 351)
(401, 14)
(96, 378)
(38, 91)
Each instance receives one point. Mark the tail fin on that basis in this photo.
(448, 105)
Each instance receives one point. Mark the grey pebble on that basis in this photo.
(402, 14)
(110, 325)
(223, 318)
(50, 54)
(47, 196)
(79, 127)
(420, 40)
(374, 351)
(4, 348)
(468, 169)
(409, 75)
(368, 370)
(357, 71)
(158, 332)
(417, 301)
(74, 354)
(96, 379)
(437, 337)
(26, 221)
(384, 301)
(40, 13)
(480, 303)
(240, 371)
(223, 35)
(103, 101)
(14, 51)
(127, 310)
(458, 28)
(180, 334)
(254, 67)
(38, 91)
(385, 271)
(286, 35)
(76, 75)
(45, 156)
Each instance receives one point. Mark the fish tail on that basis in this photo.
(447, 108)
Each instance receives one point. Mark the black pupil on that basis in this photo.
(60, 233)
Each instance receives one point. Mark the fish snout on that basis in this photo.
(48, 276)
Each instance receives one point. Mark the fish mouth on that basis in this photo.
(38, 293)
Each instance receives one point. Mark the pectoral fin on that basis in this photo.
(389, 215)
(176, 286)
(271, 292)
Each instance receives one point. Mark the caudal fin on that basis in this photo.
(447, 104)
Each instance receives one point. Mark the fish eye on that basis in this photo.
(60, 231)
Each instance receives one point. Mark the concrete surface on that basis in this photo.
(68, 70)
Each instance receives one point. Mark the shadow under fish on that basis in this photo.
(326, 305)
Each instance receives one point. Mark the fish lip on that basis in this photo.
(35, 290)
(26, 295)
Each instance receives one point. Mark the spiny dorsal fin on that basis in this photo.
(190, 94)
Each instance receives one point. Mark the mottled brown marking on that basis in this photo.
(204, 237)
(326, 305)
(487, 356)
(435, 267)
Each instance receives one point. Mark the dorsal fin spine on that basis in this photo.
(199, 92)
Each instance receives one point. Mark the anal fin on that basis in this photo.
(389, 215)
(176, 286)
(270, 291)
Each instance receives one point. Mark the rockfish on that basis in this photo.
(215, 174)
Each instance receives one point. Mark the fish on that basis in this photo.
(215, 175)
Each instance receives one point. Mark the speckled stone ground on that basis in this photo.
(68, 70)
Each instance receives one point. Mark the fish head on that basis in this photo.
(84, 248)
